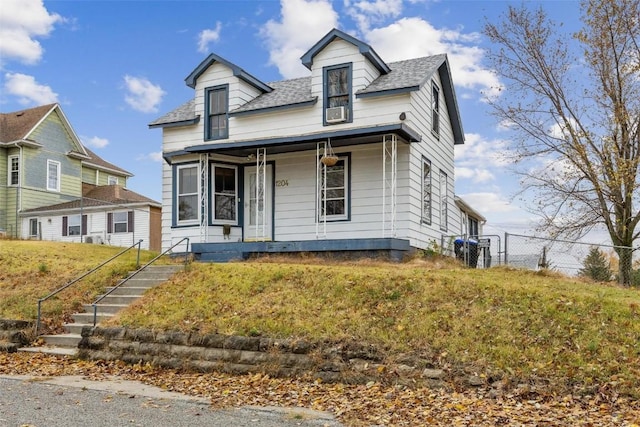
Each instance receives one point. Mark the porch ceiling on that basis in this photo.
(339, 138)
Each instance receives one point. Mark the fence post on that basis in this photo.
(506, 246)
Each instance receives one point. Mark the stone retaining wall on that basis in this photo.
(330, 362)
(14, 334)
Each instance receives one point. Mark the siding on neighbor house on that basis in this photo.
(51, 227)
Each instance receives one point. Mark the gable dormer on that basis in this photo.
(340, 66)
(221, 86)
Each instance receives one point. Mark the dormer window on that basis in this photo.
(337, 94)
(216, 111)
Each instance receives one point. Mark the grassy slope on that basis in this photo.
(519, 323)
(29, 270)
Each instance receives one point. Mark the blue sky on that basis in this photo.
(115, 66)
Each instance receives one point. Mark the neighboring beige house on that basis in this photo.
(248, 164)
(50, 184)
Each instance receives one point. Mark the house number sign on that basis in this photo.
(282, 183)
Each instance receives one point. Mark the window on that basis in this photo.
(435, 109)
(73, 225)
(337, 89)
(217, 106)
(53, 175)
(187, 193)
(473, 228)
(444, 201)
(112, 180)
(120, 222)
(426, 191)
(33, 227)
(225, 195)
(14, 170)
(333, 191)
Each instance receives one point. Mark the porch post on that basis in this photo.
(260, 218)
(204, 185)
(389, 184)
(321, 191)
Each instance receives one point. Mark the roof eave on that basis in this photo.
(387, 92)
(266, 110)
(237, 72)
(180, 123)
(106, 169)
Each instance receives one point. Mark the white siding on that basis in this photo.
(51, 228)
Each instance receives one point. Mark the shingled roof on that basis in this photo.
(17, 125)
(100, 163)
(404, 75)
(99, 196)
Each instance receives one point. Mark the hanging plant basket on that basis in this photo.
(329, 160)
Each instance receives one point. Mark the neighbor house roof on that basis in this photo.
(17, 125)
(99, 163)
(98, 196)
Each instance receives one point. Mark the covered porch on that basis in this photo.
(284, 206)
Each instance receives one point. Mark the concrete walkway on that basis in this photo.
(72, 401)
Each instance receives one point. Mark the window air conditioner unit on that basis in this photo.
(336, 114)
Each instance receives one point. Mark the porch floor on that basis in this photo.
(390, 248)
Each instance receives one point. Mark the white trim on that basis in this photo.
(214, 220)
(9, 170)
(112, 180)
(196, 220)
(58, 173)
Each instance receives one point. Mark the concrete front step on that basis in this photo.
(137, 291)
(58, 351)
(130, 291)
(62, 340)
(76, 328)
(87, 318)
(104, 308)
(119, 299)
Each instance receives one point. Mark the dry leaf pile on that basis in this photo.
(372, 404)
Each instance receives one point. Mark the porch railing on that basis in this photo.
(76, 280)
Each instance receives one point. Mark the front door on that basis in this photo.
(258, 204)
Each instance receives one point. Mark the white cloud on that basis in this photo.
(477, 150)
(155, 156)
(478, 175)
(302, 24)
(487, 202)
(95, 141)
(414, 37)
(21, 22)
(28, 91)
(365, 13)
(207, 36)
(142, 95)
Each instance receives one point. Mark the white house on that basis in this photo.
(246, 163)
(105, 214)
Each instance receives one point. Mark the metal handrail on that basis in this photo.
(41, 300)
(126, 279)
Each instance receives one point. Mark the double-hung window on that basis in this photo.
(426, 191)
(14, 170)
(53, 175)
(120, 222)
(337, 94)
(217, 109)
(225, 194)
(333, 191)
(187, 194)
(444, 201)
(112, 180)
(74, 224)
(473, 228)
(435, 109)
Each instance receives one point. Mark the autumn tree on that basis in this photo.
(572, 103)
(596, 266)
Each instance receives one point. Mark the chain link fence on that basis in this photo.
(530, 252)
